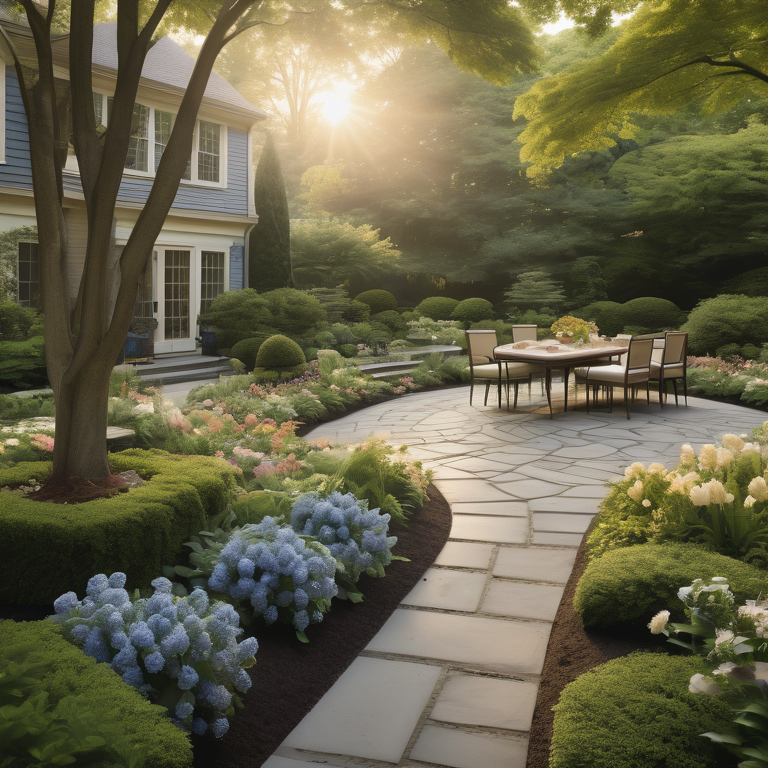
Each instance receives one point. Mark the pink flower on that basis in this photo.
(43, 442)
(219, 454)
(208, 403)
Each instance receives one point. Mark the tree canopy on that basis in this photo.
(671, 53)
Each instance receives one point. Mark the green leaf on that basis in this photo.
(401, 559)
(301, 636)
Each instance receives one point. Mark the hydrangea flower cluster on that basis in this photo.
(182, 651)
(283, 576)
(355, 536)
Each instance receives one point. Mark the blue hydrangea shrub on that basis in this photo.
(356, 537)
(181, 652)
(284, 576)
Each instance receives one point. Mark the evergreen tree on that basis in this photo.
(269, 245)
(534, 290)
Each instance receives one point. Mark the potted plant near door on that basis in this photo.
(140, 342)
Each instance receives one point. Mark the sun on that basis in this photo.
(334, 108)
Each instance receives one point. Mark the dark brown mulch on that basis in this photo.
(77, 490)
(290, 677)
(571, 652)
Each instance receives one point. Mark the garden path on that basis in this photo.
(451, 678)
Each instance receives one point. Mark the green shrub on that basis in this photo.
(752, 283)
(377, 300)
(237, 315)
(608, 315)
(636, 712)
(14, 408)
(632, 584)
(52, 548)
(279, 352)
(294, 312)
(348, 350)
(544, 318)
(751, 352)
(247, 349)
(22, 363)
(310, 353)
(19, 323)
(727, 319)
(393, 320)
(372, 333)
(472, 311)
(342, 334)
(358, 312)
(44, 671)
(437, 307)
(653, 314)
(727, 351)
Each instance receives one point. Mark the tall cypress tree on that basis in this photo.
(269, 245)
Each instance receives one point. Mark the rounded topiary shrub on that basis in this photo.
(727, 319)
(247, 349)
(356, 312)
(393, 320)
(636, 712)
(631, 584)
(437, 307)
(473, 311)
(752, 283)
(607, 315)
(348, 350)
(653, 313)
(279, 352)
(378, 300)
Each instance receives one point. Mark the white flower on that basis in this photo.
(733, 443)
(708, 457)
(646, 502)
(656, 467)
(758, 489)
(636, 491)
(12, 441)
(687, 454)
(725, 668)
(724, 457)
(683, 593)
(700, 495)
(749, 501)
(719, 580)
(761, 670)
(716, 492)
(737, 642)
(701, 684)
(659, 622)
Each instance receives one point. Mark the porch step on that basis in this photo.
(179, 368)
(379, 370)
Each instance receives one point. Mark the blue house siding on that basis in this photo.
(233, 200)
(17, 169)
(236, 274)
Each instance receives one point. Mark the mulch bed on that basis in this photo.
(572, 650)
(290, 677)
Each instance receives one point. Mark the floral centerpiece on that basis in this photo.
(569, 328)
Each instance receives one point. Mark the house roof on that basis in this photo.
(168, 64)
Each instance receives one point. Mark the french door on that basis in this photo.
(176, 299)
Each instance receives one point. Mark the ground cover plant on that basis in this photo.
(733, 375)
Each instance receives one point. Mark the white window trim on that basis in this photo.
(3, 107)
(72, 167)
(28, 242)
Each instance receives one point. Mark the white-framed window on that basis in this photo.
(28, 275)
(212, 267)
(150, 131)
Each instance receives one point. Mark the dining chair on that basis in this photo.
(673, 365)
(635, 370)
(485, 367)
(524, 332)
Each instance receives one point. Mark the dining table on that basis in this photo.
(552, 354)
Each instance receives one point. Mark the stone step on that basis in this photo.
(162, 366)
(188, 374)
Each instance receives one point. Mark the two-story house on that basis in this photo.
(201, 250)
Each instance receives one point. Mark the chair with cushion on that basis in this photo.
(635, 370)
(581, 372)
(524, 332)
(673, 365)
(484, 366)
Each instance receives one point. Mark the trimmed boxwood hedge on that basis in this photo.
(279, 352)
(69, 672)
(636, 712)
(49, 549)
(631, 584)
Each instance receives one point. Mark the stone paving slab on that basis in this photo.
(459, 749)
(458, 664)
(535, 564)
(474, 641)
(365, 713)
(490, 702)
(449, 590)
(522, 601)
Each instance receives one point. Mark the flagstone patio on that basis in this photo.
(451, 678)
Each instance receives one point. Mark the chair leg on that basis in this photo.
(517, 386)
(530, 380)
(648, 392)
(586, 384)
(609, 395)
(685, 389)
(507, 388)
(471, 387)
(626, 401)
(674, 386)
(661, 391)
(487, 388)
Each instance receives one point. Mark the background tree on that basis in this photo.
(670, 54)
(269, 243)
(534, 290)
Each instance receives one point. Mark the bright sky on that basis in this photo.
(565, 23)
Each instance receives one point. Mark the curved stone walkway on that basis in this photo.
(451, 678)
